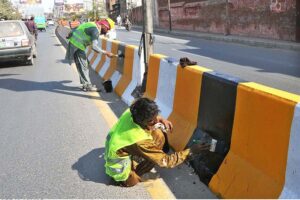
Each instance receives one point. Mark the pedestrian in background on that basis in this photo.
(32, 27)
(119, 20)
(136, 135)
(84, 35)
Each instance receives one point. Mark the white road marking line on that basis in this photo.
(191, 54)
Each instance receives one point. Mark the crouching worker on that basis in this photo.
(134, 135)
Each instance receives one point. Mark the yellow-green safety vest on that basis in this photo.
(79, 38)
(124, 133)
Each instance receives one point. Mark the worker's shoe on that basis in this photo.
(90, 88)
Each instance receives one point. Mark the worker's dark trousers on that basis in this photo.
(82, 66)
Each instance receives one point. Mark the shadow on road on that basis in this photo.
(13, 64)
(2, 75)
(62, 61)
(90, 167)
(18, 85)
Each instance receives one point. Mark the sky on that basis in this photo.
(48, 4)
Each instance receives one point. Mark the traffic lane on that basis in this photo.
(234, 52)
(52, 135)
(272, 67)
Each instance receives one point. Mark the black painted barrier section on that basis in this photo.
(121, 58)
(215, 121)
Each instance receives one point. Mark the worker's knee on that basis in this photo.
(132, 180)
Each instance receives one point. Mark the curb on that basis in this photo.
(257, 42)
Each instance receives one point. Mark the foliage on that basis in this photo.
(7, 11)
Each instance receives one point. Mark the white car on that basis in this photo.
(16, 42)
(50, 23)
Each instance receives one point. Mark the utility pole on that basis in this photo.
(94, 9)
(148, 29)
(147, 36)
(170, 17)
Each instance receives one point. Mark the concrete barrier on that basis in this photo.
(186, 102)
(107, 61)
(256, 166)
(292, 187)
(101, 59)
(162, 74)
(125, 73)
(258, 127)
(132, 74)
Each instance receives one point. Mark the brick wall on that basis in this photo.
(274, 19)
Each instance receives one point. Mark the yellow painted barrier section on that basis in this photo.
(113, 62)
(127, 72)
(186, 105)
(152, 77)
(94, 58)
(103, 57)
(256, 163)
(89, 51)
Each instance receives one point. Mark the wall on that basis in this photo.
(274, 19)
(136, 16)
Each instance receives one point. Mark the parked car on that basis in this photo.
(16, 42)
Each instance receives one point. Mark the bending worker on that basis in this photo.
(83, 36)
(136, 135)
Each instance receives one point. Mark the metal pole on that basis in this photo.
(148, 28)
(94, 9)
(147, 37)
(170, 17)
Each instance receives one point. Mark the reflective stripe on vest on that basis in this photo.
(124, 133)
(118, 165)
(79, 38)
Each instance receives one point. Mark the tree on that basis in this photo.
(7, 11)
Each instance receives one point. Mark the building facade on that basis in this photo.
(271, 19)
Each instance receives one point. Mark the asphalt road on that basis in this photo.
(51, 133)
(272, 67)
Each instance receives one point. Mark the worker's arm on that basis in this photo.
(94, 34)
(148, 149)
(95, 47)
(151, 150)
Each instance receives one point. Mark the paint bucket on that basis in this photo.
(108, 86)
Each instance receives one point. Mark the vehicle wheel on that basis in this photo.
(30, 62)
(34, 54)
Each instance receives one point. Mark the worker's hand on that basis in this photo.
(166, 123)
(109, 54)
(198, 148)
